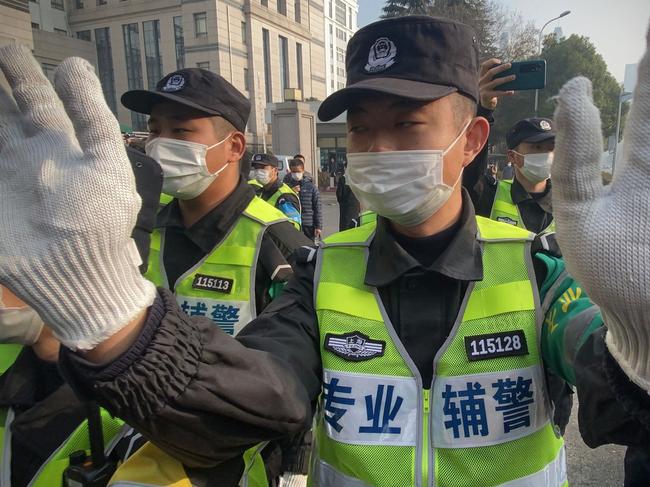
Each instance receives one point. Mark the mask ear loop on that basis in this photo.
(449, 147)
(219, 171)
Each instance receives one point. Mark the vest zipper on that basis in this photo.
(425, 439)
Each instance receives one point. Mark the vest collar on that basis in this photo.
(461, 260)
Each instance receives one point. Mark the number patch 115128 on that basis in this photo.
(212, 283)
(494, 345)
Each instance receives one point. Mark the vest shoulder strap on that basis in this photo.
(354, 237)
(491, 230)
(264, 213)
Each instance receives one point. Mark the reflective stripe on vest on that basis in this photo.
(367, 217)
(221, 286)
(485, 420)
(51, 472)
(506, 211)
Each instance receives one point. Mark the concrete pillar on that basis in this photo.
(293, 124)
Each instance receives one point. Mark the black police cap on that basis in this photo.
(196, 88)
(266, 159)
(416, 57)
(530, 130)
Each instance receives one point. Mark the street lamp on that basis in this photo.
(539, 48)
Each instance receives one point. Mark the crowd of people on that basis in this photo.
(169, 318)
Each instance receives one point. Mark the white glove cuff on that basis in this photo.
(630, 347)
(85, 301)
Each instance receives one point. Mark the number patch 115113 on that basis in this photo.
(494, 345)
(212, 283)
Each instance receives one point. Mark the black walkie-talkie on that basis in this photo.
(96, 470)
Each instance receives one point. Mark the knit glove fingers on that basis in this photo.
(68, 202)
(604, 231)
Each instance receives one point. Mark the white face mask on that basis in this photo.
(537, 167)
(297, 176)
(185, 171)
(20, 325)
(263, 176)
(406, 187)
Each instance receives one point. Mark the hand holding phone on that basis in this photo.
(489, 85)
(529, 75)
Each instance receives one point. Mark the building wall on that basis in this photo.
(51, 48)
(335, 47)
(47, 17)
(229, 51)
(15, 23)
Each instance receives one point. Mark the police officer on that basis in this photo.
(425, 369)
(272, 190)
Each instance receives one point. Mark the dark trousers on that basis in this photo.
(308, 231)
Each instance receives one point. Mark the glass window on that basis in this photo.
(201, 25)
(35, 25)
(131, 35)
(247, 84)
(340, 34)
(84, 35)
(57, 4)
(243, 32)
(179, 41)
(284, 64)
(105, 66)
(61, 31)
(267, 64)
(203, 65)
(101, 2)
(340, 12)
(297, 11)
(282, 7)
(340, 55)
(48, 70)
(79, 4)
(153, 59)
(299, 65)
(330, 9)
(350, 17)
(265, 3)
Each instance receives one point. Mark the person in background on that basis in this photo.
(312, 215)
(349, 207)
(272, 190)
(508, 171)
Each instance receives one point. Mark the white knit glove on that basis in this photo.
(604, 232)
(68, 202)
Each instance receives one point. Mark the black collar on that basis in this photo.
(209, 230)
(519, 194)
(461, 259)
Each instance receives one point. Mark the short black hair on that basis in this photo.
(296, 163)
(298, 156)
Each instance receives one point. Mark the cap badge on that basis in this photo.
(174, 83)
(258, 157)
(544, 125)
(381, 56)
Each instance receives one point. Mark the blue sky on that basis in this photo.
(617, 29)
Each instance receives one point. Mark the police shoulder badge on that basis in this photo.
(354, 346)
(174, 83)
(382, 55)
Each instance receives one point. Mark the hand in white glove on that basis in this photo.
(604, 232)
(68, 202)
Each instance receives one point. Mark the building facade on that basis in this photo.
(260, 46)
(340, 25)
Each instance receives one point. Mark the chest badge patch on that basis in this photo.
(505, 219)
(354, 346)
(213, 283)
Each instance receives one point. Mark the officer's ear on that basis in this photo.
(237, 146)
(477, 132)
(515, 158)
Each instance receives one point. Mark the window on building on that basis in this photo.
(247, 82)
(282, 7)
(203, 65)
(340, 34)
(265, 3)
(340, 71)
(131, 36)
(243, 32)
(284, 63)
(340, 13)
(153, 59)
(332, 83)
(105, 66)
(350, 17)
(78, 4)
(101, 2)
(340, 55)
(57, 4)
(299, 65)
(297, 12)
(179, 42)
(266, 45)
(35, 25)
(84, 35)
(63, 32)
(330, 16)
(201, 24)
(48, 70)
(341, 86)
